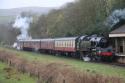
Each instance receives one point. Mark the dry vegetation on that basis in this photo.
(54, 72)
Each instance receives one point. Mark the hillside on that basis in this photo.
(16, 11)
(8, 15)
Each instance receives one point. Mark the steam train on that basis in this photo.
(84, 47)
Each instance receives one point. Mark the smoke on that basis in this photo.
(115, 17)
(22, 23)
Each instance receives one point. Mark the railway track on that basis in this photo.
(114, 64)
(117, 64)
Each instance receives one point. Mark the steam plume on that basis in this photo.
(22, 23)
(116, 17)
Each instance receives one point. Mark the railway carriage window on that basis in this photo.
(47, 44)
(69, 43)
(66, 43)
(43, 44)
(72, 44)
(61, 43)
(57, 44)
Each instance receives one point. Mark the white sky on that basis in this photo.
(5, 4)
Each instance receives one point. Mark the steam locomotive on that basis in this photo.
(84, 47)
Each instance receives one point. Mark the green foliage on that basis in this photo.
(8, 34)
(78, 18)
(118, 4)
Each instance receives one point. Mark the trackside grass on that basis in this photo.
(78, 64)
(10, 75)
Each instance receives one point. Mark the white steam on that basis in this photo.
(115, 17)
(23, 23)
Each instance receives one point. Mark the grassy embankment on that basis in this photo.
(11, 75)
(78, 64)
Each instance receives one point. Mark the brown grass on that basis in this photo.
(54, 72)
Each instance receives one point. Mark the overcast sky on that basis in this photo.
(5, 4)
